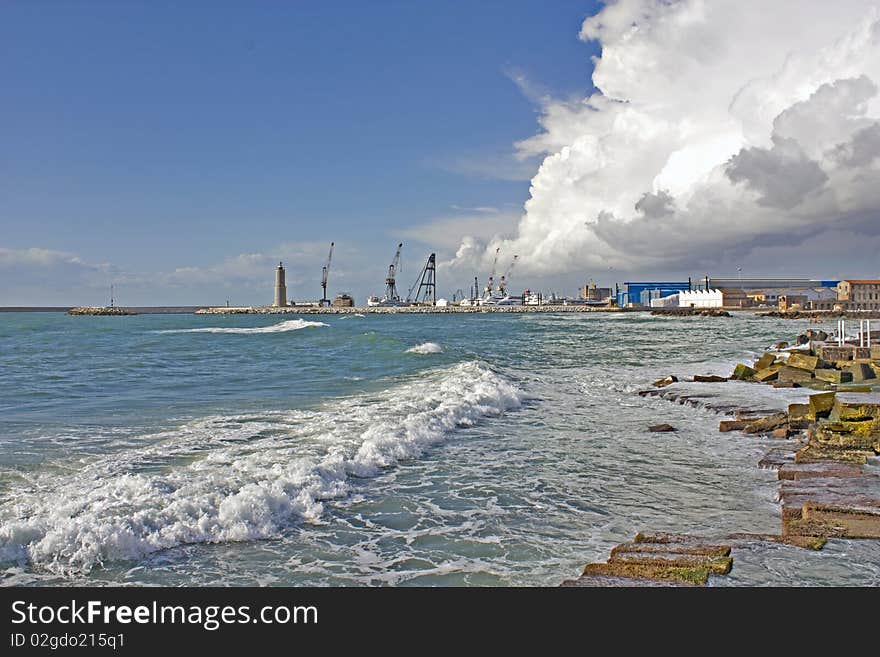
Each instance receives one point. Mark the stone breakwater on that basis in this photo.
(820, 453)
(690, 312)
(821, 314)
(391, 310)
(101, 310)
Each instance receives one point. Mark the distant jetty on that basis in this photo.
(411, 310)
(101, 310)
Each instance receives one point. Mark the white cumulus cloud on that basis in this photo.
(718, 126)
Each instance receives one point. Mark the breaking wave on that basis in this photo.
(281, 327)
(238, 478)
(426, 348)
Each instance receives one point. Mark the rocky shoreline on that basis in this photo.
(821, 314)
(821, 450)
(691, 312)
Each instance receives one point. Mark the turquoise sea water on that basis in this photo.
(381, 450)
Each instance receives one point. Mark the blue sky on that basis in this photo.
(176, 149)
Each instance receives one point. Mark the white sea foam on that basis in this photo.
(281, 327)
(237, 478)
(352, 315)
(426, 348)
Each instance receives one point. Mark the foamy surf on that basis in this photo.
(238, 478)
(281, 327)
(426, 348)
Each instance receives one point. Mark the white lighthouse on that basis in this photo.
(280, 287)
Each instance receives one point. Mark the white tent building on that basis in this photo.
(701, 299)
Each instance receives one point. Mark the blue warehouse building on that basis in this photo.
(641, 293)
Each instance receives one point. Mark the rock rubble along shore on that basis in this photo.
(822, 314)
(691, 312)
(393, 310)
(100, 310)
(820, 452)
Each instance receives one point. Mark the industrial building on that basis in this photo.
(768, 285)
(642, 293)
(859, 294)
(592, 292)
(343, 300)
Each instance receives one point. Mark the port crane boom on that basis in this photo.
(426, 283)
(505, 277)
(324, 273)
(490, 284)
(390, 281)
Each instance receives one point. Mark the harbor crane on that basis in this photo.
(426, 282)
(505, 277)
(490, 284)
(324, 273)
(390, 281)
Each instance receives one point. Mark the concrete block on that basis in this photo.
(803, 361)
(861, 372)
(832, 376)
(793, 374)
(821, 404)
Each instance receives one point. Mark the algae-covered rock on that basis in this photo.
(767, 374)
(709, 378)
(821, 405)
(665, 381)
(715, 565)
(686, 576)
(855, 407)
(814, 453)
(765, 361)
(803, 361)
(832, 376)
(732, 425)
(799, 412)
(806, 542)
(864, 435)
(793, 374)
(742, 373)
(861, 372)
(689, 546)
(767, 424)
(846, 521)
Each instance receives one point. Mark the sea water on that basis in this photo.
(486, 449)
